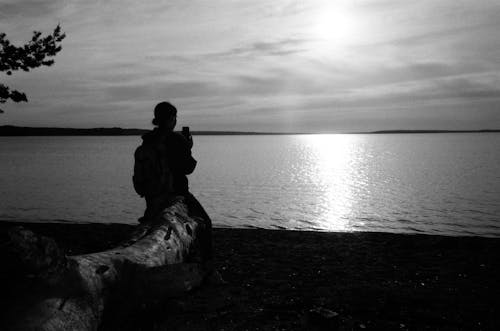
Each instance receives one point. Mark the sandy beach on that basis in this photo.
(287, 280)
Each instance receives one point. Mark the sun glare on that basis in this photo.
(333, 155)
(336, 24)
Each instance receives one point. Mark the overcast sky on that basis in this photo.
(301, 66)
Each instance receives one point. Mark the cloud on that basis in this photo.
(266, 48)
(377, 5)
(158, 90)
(455, 89)
(285, 8)
(256, 65)
(435, 35)
(28, 8)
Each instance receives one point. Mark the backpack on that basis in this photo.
(152, 175)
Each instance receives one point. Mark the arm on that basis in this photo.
(186, 162)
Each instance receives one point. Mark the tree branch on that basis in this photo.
(38, 52)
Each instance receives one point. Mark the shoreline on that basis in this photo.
(253, 227)
(17, 131)
(275, 277)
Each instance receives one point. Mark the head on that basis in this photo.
(165, 116)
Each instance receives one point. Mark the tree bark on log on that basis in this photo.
(166, 256)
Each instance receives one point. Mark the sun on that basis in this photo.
(336, 23)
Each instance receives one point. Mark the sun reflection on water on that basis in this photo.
(332, 173)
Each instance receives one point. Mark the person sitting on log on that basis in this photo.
(162, 163)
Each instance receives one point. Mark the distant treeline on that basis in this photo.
(431, 131)
(10, 130)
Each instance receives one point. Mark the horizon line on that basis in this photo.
(13, 130)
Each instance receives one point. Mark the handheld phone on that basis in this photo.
(185, 131)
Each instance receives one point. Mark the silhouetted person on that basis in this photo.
(173, 146)
(161, 165)
(163, 161)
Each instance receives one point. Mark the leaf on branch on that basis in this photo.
(36, 53)
(31, 55)
(6, 94)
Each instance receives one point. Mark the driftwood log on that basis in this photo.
(165, 257)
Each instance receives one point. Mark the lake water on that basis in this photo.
(418, 183)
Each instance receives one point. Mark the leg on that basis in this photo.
(196, 209)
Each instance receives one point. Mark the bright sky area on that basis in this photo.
(253, 65)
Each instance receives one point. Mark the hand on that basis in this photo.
(189, 139)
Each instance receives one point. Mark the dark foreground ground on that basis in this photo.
(275, 278)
